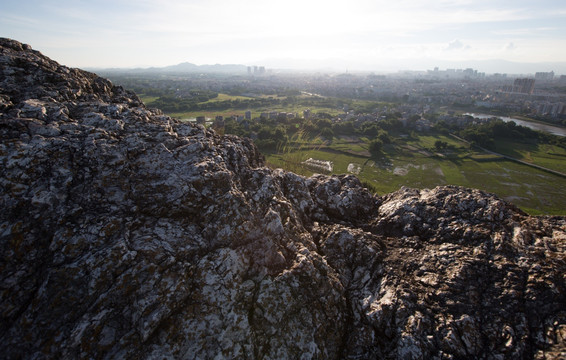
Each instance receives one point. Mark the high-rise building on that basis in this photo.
(544, 75)
(524, 86)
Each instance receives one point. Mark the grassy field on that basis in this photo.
(224, 97)
(549, 156)
(147, 99)
(256, 112)
(413, 162)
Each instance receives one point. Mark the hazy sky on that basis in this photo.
(353, 33)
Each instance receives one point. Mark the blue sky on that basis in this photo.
(351, 34)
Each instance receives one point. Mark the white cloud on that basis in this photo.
(510, 46)
(457, 45)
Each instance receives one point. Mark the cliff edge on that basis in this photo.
(127, 234)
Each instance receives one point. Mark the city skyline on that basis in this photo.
(358, 35)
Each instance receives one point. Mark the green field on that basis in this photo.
(549, 156)
(256, 112)
(224, 97)
(147, 99)
(413, 162)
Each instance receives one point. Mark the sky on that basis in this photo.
(353, 34)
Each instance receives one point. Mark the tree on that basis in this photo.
(375, 147)
(384, 137)
(327, 133)
(440, 145)
(323, 124)
(370, 129)
(264, 133)
(343, 128)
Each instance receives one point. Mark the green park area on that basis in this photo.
(404, 157)
(211, 105)
(414, 162)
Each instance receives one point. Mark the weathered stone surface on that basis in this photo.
(127, 234)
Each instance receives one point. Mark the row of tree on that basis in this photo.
(177, 103)
(196, 100)
(271, 134)
(487, 134)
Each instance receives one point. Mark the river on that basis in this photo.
(555, 130)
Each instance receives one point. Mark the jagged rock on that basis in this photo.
(127, 234)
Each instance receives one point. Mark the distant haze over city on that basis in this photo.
(339, 66)
(486, 66)
(519, 37)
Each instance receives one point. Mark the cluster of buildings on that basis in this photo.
(544, 76)
(275, 115)
(256, 70)
(219, 120)
(521, 86)
(551, 109)
(535, 104)
(522, 96)
(468, 73)
(541, 94)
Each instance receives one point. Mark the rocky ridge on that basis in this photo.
(127, 234)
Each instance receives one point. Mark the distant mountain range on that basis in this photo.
(341, 65)
(185, 67)
(389, 66)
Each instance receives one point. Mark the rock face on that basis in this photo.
(127, 234)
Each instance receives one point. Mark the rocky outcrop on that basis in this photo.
(127, 234)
